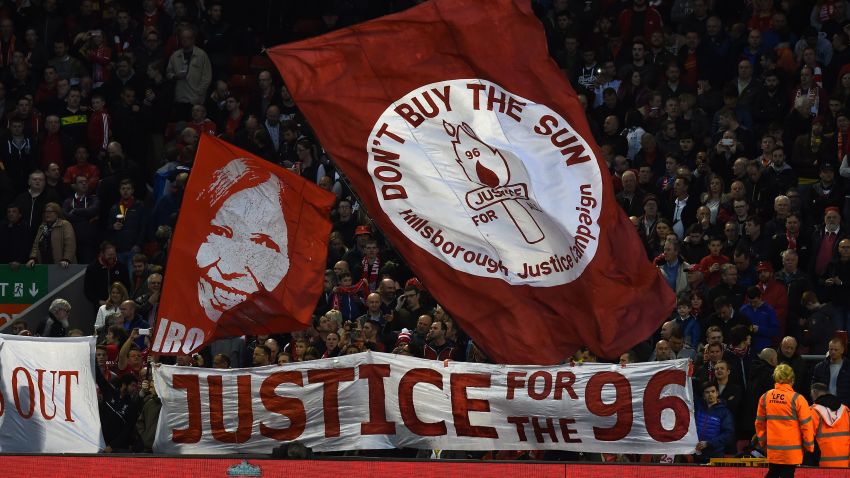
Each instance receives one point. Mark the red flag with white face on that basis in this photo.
(248, 253)
(473, 155)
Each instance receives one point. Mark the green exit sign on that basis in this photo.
(22, 286)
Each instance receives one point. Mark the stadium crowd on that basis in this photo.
(724, 125)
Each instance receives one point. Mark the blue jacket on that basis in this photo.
(714, 426)
(690, 329)
(768, 326)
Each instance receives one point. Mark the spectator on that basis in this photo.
(759, 381)
(54, 242)
(53, 146)
(825, 240)
(774, 294)
(831, 422)
(715, 429)
(687, 322)
(102, 273)
(790, 238)
(66, 65)
(372, 338)
(728, 288)
(833, 372)
(16, 238)
(17, 156)
(82, 211)
(311, 168)
(126, 116)
(730, 392)
(130, 319)
(765, 326)
(673, 267)
(119, 411)
(56, 324)
(789, 354)
(836, 280)
(148, 300)
(149, 415)
(192, 71)
(117, 295)
(83, 167)
(262, 356)
(264, 98)
(126, 223)
(678, 348)
(437, 346)
(713, 355)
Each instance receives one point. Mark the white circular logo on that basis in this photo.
(488, 182)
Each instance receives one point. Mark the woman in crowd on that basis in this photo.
(655, 243)
(713, 198)
(117, 294)
(336, 249)
(311, 168)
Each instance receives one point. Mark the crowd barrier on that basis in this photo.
(47, 466)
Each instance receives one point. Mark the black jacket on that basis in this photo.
(821, 375)
(99, 279)
(118, 415)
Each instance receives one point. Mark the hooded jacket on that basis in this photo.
(831, 421)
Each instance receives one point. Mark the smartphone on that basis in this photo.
(727, 142)
(144, 331)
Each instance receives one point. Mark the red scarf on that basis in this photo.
(371, 274)
(739, 352)
(123, 205)
(361, 288)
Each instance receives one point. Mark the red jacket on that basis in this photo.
(652, 22)
(99, 131)
(775, 294)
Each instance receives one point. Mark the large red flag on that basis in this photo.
(472, 153)
(248, 253)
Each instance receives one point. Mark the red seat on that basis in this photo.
(262, 62)
(240, 65)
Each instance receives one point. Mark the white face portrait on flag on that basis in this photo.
(247, 243)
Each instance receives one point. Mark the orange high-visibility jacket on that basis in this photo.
(832, 432)
(784, 425)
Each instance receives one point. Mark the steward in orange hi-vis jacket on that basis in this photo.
(831, 421)
(784, 425)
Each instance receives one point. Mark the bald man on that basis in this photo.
(663, 351)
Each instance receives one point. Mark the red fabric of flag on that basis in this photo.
(248, 253)
(473, 155)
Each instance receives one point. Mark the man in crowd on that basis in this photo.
(437, 346)
(831, 422)
(102, 273)
(834, 372)
(715, 427)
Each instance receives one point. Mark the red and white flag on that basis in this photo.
(248, 253)
(473, 155)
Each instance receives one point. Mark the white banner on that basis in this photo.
(48, 400)
(375, 400)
